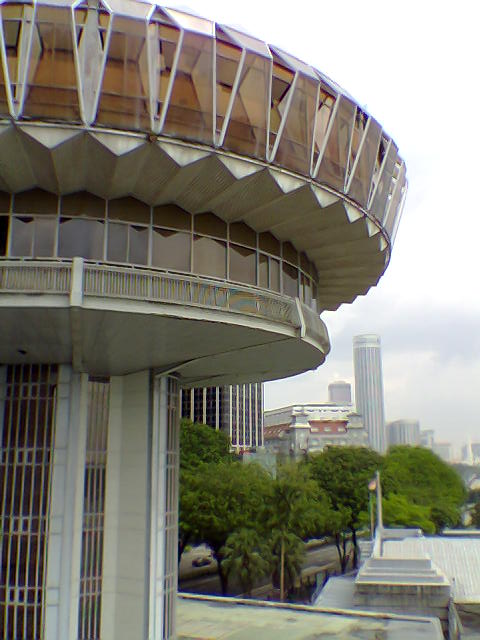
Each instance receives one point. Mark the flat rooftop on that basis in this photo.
(204, 617)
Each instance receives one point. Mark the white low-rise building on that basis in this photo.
(301, 429)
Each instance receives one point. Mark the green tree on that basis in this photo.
(292, 549)
(426, 480)
(246, 557)
(343, 473)
(225, 498)
(199, 445)
(398, 511)
(294, 511)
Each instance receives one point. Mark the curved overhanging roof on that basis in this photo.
(242, 129)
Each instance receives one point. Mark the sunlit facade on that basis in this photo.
(178, 203)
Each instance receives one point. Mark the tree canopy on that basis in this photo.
(425, 480)
(201, 444)
(344, 473)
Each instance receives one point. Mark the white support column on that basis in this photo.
(141, 512)
(126, 554)
(164, 509)
(66, 504)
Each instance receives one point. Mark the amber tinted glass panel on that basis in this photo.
(173, 217)
(80, 237)
(362, 178)
(190, 111)
(384, 182)
(295, 146)
(393, 209)
(228, 61)
(247, 128)
(35, 201)
(282, 79)
(16, 39)
(52, 83)
(163, 42)
(322, 120)
(4, 110)
(128, 209)
(209, 257)
(83, 204)
(242, 264)
(171, 249)
(267, 242)
(210, 225)
(334, 161)
(124, 94)
(290, 280)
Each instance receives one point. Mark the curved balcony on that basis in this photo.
(205, 330)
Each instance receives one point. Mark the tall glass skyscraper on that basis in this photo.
(367, 362)
(237, 410)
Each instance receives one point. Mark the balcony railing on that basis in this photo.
(82, 280)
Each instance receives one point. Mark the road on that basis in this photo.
(208, 583)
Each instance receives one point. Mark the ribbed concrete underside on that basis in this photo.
(348, 248)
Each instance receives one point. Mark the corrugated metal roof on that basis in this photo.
(458, 558)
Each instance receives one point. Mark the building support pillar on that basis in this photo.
(64, 541)
(141, 509)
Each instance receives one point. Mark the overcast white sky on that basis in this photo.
(414, 65)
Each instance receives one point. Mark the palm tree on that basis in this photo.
(247, 558)
(289, 554)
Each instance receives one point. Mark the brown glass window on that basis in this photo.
(138, 245)
(267, 242)
(210, 225)
(171, 249)
(242, 264)
(263, 271)
(80, 237)
(209, 257)
(33, 237)
(172, 217)
(290, 280)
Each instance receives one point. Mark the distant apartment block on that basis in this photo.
(237, 410)
(340, 392)
(443, 450)
(405, 432)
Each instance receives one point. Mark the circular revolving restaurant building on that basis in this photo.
(179, 202)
